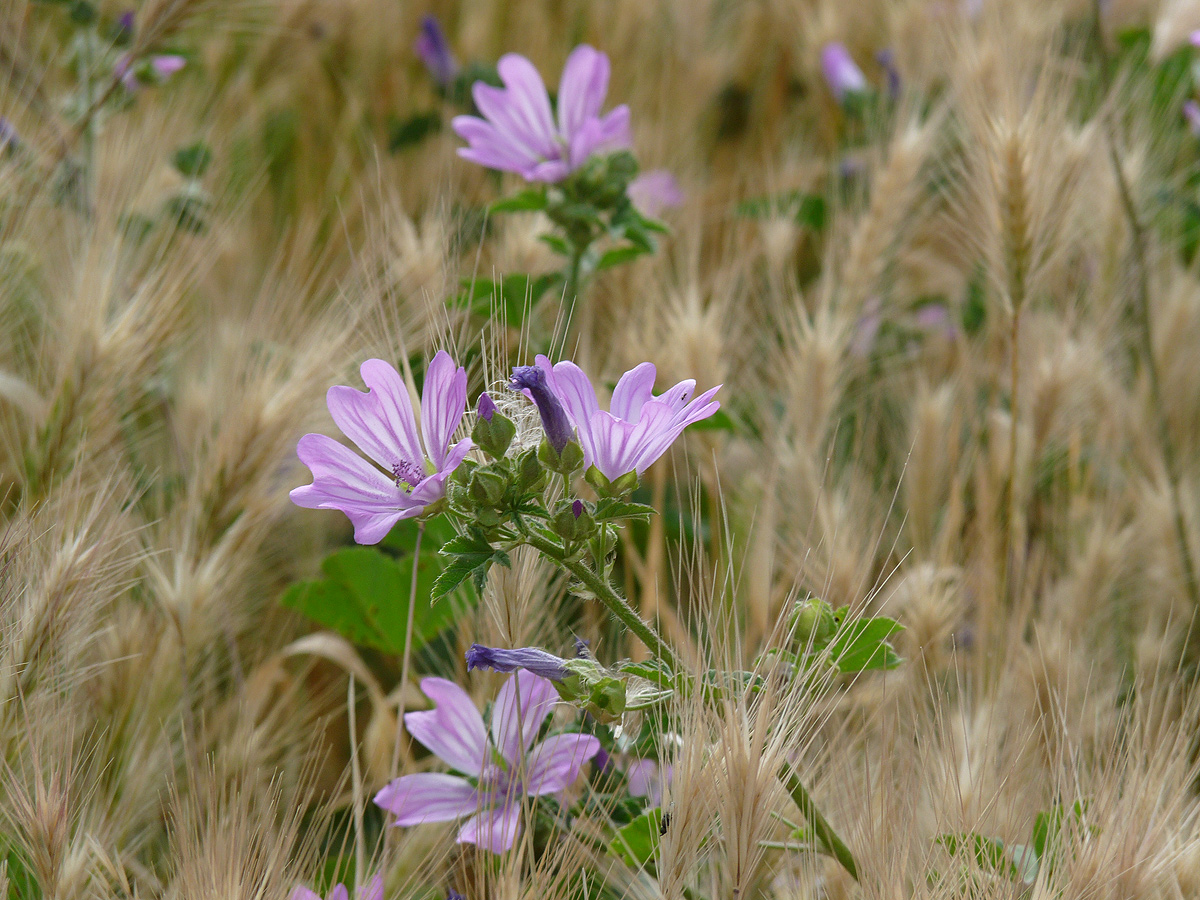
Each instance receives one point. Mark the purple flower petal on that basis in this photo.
(600, 136)
(554, 764)
(532, 659)
(166, 66)
(303, 893)
(339, 892)
(494, 829)
(453, 729)
(380, 422)
(372, 890)
(443, 401)
(841, 71)
(521, 707)
(343, 480)
(632, 390)
(582, 90)
(428, 797)
(434, 50)
(653, 191)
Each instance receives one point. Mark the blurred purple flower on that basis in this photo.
(506, 766)
(381, 423)
(432, 47)
(372, 890)
(647, 779)
(887, 61)
(125, 25)
(1191, 112)
(161, 67)
(487, 407)
(653, 191)
(640, 427)
(8, 135)
(532, 659)
(842, 73)
(519, 134)
(533, 382)
(867, 328)
(1194, 38)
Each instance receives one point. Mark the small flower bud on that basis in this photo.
(606, 699)
(813, 623)
(532, 659)
(531, 477)
(493, 431)
(487, 487)
(573, 521)
(617, 488)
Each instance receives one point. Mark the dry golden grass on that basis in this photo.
(1011, 494)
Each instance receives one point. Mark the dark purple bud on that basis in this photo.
(125, 24)
(577, 508)
(434, 51)
(601, 760)
(455, 895)
(532, 659)
(554, 418)
(581, 648)
(887, 61)
(487, 407)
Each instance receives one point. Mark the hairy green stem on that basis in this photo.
(620, 607)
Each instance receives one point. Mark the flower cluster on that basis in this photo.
(408, 469)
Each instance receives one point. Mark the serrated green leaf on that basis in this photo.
(467, 556)
(862, 645)
(609, 509)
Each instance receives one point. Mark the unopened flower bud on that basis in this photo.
(531, 477)
(813, 623)
(554, 418)
(566, 461)
(487, 487)
(493, 431)
(573, 521)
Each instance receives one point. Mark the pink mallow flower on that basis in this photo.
(842, 73)
(518, 132)
(639, 428)
(646, 778)
(381, 423)
(653, 191)
(503, 766)
(161, 67)
(372, 890)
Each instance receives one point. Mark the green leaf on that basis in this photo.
(467, 556)
(619, 255)
(193, 160)
(364, 594)
(718, 421)
(988, 852)
(513, 295)
(637, 842)
(608, 509)
(531, 200)
(654, 670)
(555, 243)
(405, 133)
(805, 209)
(863, 644)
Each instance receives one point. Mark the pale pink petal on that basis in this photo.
(646, 779)
(380, 421)
(303, 893)
(600, 136)
(453, 729)
(653, 191)
(493, 829)
(616, 444)
(551, 172)
(372, 890)
(490, 147)
(582, 89)
(554, 764)
(428, 797)
(344, 480)
(520, 110)
(632, 391)
(443, 402)
(339, 892)
(677, 396)
(578, 397)
(521, 706)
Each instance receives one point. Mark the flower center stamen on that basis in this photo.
(407, 475)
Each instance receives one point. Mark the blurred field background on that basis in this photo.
(959, 337)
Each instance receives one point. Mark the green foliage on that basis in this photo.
(805, 209)
(512, 296)
(637, 842)
(406, 133)
(364, 594)
(193, 160)
(467, 555)
(529, 200)
(862, 645)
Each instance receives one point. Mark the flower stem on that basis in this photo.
(824, 832)
(605, 593)
(620, 607)
(408, 632)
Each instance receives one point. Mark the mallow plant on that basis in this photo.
(566, 494)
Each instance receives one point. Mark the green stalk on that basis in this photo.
(823, 830)
(619, 606)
